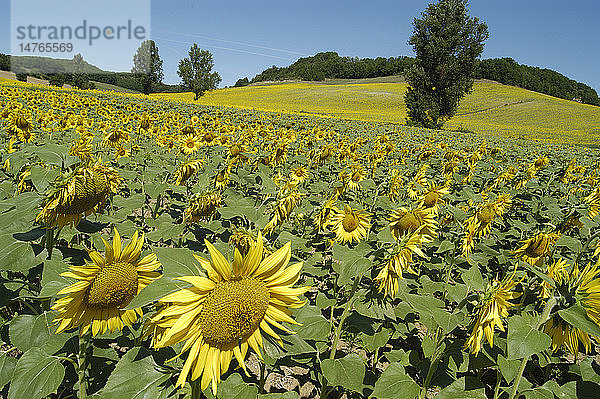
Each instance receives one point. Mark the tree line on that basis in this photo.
(329, 65)
(146, 75)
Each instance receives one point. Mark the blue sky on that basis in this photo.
(246, 37)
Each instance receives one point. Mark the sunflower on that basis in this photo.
(493, 306)
(356, 176)
(105, 287)
(536, 247)
(189, 144)
(20, 123)
(282, 211)
(81, 192)
(432, 197)
(323, 217)
(222, 315)
(121, 152)
(222, 178)
(299, 174)
(202, 206)
(350, 224)
(115, 138)
(580, 287)
(404, 221)
(594, 203)
(400, 261)
(186, 171)
(396, 182)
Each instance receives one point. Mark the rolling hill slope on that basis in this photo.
(491, 108)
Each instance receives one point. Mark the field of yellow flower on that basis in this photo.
(490, 110)
(160, 248)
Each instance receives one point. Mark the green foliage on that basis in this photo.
(542, 80)
(447, 42)
(329, 65)
(147, 65)
(79, 77)
(195, 71)
(242, 82)
(350, 340)
(4, 62)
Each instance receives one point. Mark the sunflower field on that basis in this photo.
(161, 249)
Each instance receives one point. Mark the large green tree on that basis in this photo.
(447, 43)
(147, 65)
(195, 71)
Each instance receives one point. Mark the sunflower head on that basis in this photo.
(494, 305)
(224, 314)
(533, 249)
(202, 206)
(350, 224)
(77, 194)
(105, 287)
(404, 221)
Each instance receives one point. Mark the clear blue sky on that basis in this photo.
(248, 36)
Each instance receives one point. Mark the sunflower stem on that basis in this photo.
(586, 246)
(261, 382)
(543, 318)
(498, 382)
(196, 389)
(349, 304)
(84, 343)
(49, 241)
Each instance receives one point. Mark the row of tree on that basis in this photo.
(329, 65)
(547, 81)
(146, 76)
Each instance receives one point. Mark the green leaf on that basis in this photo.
(7, 366)
(36, 375)
(314, 326)
(445, 246)
(234, 387)
(395, 383)
(524, 339)
(572, 243)
(508, 368)
(347, 372)
(375, 341)
(176, 262)
(473, 279)
(16, 256)
(577, 317)
(350, 263)
(27, 331)
(136, 376)
(42, 176)
(50, 153)
(52, 281)
(463, 388)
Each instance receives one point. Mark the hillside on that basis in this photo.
(492, 108)
(330, 65)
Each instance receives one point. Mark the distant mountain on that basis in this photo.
(329, 65)
(59, 71)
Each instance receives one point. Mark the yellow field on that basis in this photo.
(491, 109)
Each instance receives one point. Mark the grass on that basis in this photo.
(491, 109)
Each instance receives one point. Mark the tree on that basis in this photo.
(80, 79)
(195, 71)
(4, 62)
(242, 82)
(447, 43)
(147, 65)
